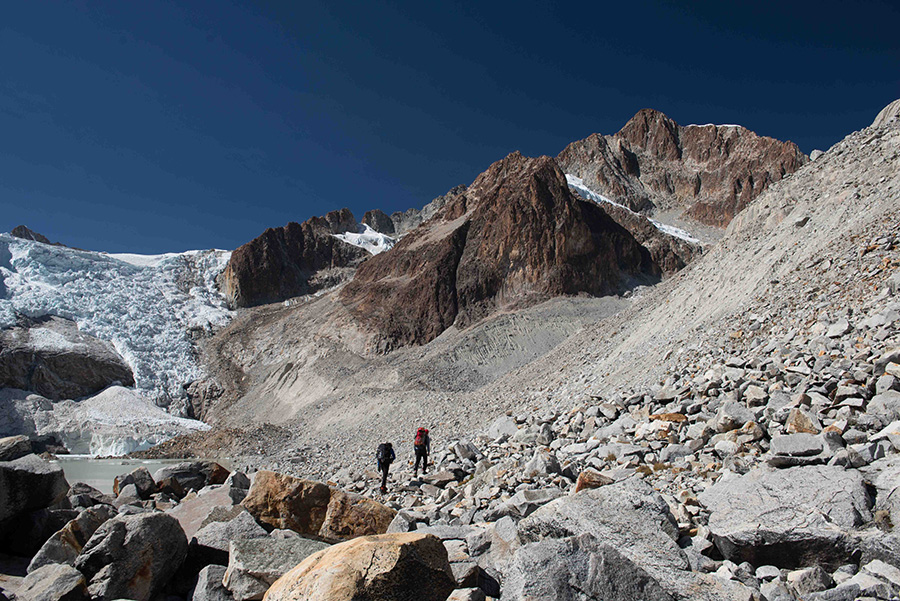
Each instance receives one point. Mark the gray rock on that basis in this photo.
(789, 518)
(797, 445)
(578, 568)
(674, 452)
(211, 543)
(542, 464)
(467, 594)
(523, 503)
(140, 478)
(885, 405)
(128, 495)
(133, 556)
(402, 522)
(14, 447)
(85, 495)
(502, 426)
(731, 416)
(192, 475)
(255, 564)
(809, 580)
(839, 328)
(238, 485)
(628, 515)
(54, 582)
(209, 585)
(884, 474)
(65, 545)
(29, 483)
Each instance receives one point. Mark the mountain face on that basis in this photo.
(709, 172)
(283, 262)
(516, 236)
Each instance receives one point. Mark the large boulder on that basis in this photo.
(141, 479)
(788, 518)
(133, 556)
(195, 511)
(314, 509)
(66, 544)
(578, 568)
(14, 447)
(191, 475)
(54, 582)
(211, 542)
(52, 357)
(209, 585)
(405, 566)
(255, 564)
(27, 484)
(628, 515)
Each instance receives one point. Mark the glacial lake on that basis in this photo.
(100, 473)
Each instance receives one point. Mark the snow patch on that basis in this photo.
(368, 239)
(145, 305)
(577, 183)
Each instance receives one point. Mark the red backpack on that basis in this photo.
(421, 437)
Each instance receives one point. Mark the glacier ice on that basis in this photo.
(146, 306)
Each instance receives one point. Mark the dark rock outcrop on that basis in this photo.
(28, 484)
(379, 221)
(23, 232)
(516, 236)
(710, 172)
(283, 262)
(52, 357)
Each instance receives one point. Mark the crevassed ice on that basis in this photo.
(578, 184)
(144, 305)
(368, 239)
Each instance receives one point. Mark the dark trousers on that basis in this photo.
(421, 454)
(385, 468)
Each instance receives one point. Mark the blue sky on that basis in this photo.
(154, 127)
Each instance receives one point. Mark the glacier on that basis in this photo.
(147, 306)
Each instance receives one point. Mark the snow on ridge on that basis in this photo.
(144, 305)
(368, 239)
(578, 184)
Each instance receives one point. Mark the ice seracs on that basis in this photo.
(146, 306)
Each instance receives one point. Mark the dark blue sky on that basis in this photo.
(153, 127)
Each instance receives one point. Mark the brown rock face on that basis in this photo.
(284, 261)
(21, 231)
(709, 171)
(313, 509)
(405, 566)
(516, 236)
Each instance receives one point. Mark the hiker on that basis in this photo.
(422, 446)
(384, 456)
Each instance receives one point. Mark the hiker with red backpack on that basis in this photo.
(384, 456)
(422, 446)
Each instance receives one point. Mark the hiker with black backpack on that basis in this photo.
(384, 456)
(422, 446)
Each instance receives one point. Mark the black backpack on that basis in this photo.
(383, 454)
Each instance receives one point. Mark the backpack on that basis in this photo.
(383, 454)
(421, 437)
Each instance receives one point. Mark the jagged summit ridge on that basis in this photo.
(708, 172)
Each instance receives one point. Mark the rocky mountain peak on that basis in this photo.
(516, 236)
(23, 232)
(705, 172)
